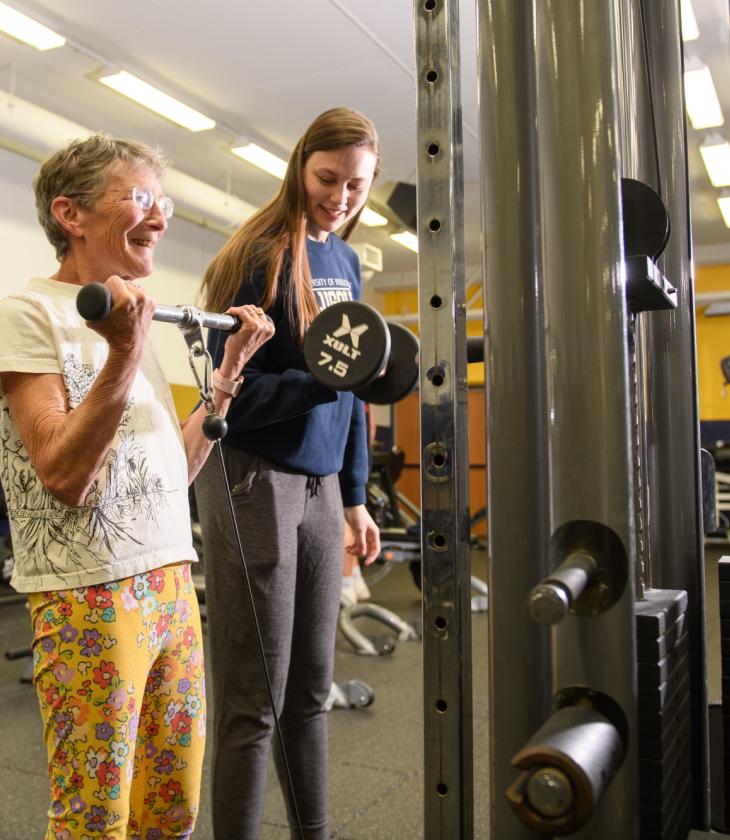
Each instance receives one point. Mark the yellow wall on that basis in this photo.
(185, 397)
(713, 342)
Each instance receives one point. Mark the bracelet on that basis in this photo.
(228, 386)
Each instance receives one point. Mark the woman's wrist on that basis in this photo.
(228, 385)
(231, 365)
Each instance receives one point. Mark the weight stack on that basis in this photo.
(665, 783)
(723, 568)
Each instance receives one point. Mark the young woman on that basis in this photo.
(296, 453)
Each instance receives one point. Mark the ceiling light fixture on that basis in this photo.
(371, 218)
(690, 30)
(715, 151)
(258, 156)
(34, 132)
(157, 101)
(724, 202)
(703, 106)
(28, 31)
(406, 239)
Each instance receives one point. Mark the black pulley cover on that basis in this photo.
(645, 220)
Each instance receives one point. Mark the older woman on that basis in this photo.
(95, 468)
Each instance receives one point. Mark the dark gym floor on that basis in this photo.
(375, 753)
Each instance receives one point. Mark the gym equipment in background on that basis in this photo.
(591, 416)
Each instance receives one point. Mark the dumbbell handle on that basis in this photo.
(475, 348)
(474, 352)
(94, 303)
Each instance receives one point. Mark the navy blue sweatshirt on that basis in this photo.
(282, 413)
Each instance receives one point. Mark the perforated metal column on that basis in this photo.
(448, 797)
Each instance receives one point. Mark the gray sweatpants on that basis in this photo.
(292, 535)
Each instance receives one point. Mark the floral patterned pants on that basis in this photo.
(118, 669)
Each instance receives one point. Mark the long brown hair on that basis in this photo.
(280, 226)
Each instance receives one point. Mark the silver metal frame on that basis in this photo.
(447, 681)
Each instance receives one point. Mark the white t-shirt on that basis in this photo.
(135, 516)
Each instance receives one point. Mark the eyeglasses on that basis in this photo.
(144, 198)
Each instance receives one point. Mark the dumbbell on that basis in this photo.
(350, 347)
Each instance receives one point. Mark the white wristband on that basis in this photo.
(228, 386)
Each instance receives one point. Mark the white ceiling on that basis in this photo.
(711, 236)
(265, 68)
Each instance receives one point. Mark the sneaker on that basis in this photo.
(335, 699)
(362, 593)
(348, 593)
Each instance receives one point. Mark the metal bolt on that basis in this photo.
(549, 792)
(548, 603)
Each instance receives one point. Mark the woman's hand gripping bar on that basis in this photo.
(94, 303)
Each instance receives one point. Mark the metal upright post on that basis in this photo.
(590, 449)
(448, 764)
(517, 493)
(674, 533)
(638, 163)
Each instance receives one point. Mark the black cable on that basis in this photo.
(260, 640)
(650, 86)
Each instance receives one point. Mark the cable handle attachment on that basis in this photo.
(214, 426)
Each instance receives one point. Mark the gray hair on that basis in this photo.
(80, 171)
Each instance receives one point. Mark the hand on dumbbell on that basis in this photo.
(126, 320)
(94, 303)
(350, 347)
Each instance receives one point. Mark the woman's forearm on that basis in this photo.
(68, 446)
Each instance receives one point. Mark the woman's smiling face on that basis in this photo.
(337, 184)
(120, 237)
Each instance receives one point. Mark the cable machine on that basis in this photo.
(596, 624)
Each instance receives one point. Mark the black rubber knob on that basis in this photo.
(215, 427)
(94, 302)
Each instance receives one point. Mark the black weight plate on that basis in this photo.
(402, 374)
(347, 345)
